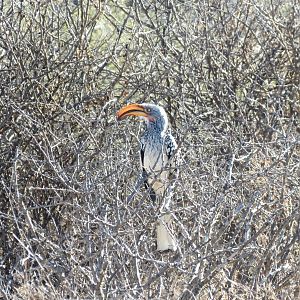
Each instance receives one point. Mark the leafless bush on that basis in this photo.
(227, 73)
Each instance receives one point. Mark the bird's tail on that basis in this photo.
(165, 238)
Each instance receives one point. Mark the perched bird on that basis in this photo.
(158, 148)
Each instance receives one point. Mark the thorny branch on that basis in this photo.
(76, 221)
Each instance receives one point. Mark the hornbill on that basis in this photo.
(158, 149)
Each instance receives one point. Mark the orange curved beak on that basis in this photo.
(131, 110)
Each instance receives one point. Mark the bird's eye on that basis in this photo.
(148, 109)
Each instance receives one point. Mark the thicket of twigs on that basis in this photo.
(227, 73)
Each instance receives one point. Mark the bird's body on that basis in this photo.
(157, 156)
(156, 153)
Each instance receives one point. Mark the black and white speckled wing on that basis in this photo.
(173, 155)
(145, 175)
(170, 145)
(143, 157)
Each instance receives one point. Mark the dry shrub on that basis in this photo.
(227, 73)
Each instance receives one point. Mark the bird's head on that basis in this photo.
(152, 113)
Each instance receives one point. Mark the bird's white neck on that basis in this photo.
(157, 128)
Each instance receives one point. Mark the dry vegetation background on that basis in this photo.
(227, 73)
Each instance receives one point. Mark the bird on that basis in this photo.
(159, 165)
